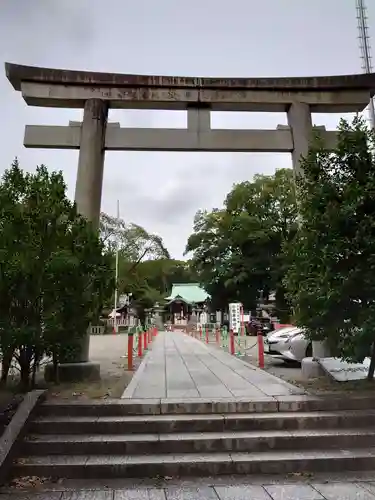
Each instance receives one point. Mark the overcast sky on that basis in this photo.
(244, 38)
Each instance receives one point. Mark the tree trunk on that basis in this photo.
(35, 367)
(55, 363)
(25, 376)
(6, 362)
(371, 369)
(24, 362)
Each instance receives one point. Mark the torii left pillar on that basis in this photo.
(88, 198)
(89, 182)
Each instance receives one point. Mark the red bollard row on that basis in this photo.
(199, 334)
(260, 348)
(144, 339)
(232, 349)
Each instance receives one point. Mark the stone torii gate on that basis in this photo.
(96, 92)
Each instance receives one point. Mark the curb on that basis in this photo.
(16, 430)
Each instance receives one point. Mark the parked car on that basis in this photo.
(257, 323)
(288, 344)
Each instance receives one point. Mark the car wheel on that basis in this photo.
(309, 352)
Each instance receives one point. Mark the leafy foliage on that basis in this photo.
(331, 275)
(238, 250)
(133, 241)
(54, 273)
(151, 280)
(145, 267)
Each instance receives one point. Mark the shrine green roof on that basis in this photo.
(188, 292)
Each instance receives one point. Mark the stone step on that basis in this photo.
(121, 407)
(201, 442)
(194, 464)
(202, 422)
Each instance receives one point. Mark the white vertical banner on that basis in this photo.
(218, 316)
(204, 318)
(235, 316)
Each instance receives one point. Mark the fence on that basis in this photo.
(109, 329)
(122, 322)
(97, 330)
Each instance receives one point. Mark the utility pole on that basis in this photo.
(116, 272)
(364, 45)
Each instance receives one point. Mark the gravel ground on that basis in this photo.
(110, 351)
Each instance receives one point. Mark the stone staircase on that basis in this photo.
(128, 439)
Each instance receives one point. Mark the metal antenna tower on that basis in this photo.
(364, 45)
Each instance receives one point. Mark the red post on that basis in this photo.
(218, 335)
(260, 349)
(154, 331)
(200, 332)
(149, 335)
(242, 322)
(231, 342)
(144, 341)
(130, 351)
(207, 335)
(139, 344)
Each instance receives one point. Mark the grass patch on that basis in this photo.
(324, 385)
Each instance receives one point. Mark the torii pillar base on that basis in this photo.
(73, 372)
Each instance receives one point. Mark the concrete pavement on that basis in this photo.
(180, 366)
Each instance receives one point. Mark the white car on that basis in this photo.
(288, 344)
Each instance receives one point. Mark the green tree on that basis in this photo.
(53, 271)
(151, 280)
(133, 241)
(331, 274)
(79, 278)
(238, 250)
(135, 247)
(160, 274)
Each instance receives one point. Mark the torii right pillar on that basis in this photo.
(300, 122)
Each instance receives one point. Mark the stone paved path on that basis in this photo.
(179, 366)
(314, 489)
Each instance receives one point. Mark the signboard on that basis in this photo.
(235, 316)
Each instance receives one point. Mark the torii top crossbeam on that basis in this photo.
(67, 88)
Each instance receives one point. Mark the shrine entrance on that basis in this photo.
(96, 93)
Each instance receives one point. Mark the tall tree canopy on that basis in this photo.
(237, 250)
(331, 274)
(133, 241)
(146, 269)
